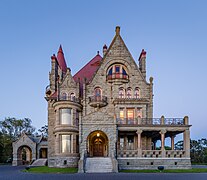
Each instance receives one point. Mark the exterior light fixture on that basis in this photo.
(98, 134)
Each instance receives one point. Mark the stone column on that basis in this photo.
(57, 144)
(125, 142)
(57, 119)
(186, 142)
(125, 116)
(172, 142)
(139, 148)
(162, 132)
(162, 120)
(186, 120)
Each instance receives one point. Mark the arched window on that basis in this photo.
(121, 93)
(137, 93)
(97, 92)
(129, 93)
(63, 96)
(72, 96)
(117, 71)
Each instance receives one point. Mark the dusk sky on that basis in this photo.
(173, 33)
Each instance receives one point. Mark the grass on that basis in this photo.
(46, 169)
(199, 170)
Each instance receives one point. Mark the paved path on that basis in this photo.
(14, 173)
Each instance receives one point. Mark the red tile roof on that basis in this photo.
(61, 60)
(88, 70)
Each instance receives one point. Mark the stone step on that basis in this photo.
(39, 162)
(98, 165)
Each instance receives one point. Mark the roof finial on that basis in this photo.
(117, 30)
(97, 52)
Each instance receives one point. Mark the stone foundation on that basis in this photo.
(151, 163)
(63, 162)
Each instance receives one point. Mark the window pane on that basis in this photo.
(65, 116)
(123, 71)
(110, 72)
(121, 114)
(66, 144)
(130, 114)
(117, 69)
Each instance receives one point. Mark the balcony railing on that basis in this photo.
(152, 121)
(97, 101)
(71, 99)
(117, 77)
(152, 153)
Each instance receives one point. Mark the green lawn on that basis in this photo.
(167, 171)
(46, 169)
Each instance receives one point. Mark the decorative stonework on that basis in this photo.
(126, 124)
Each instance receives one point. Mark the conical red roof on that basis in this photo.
(61, 59)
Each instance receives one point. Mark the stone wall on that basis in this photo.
(153, 163)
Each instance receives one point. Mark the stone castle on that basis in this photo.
(101, 119)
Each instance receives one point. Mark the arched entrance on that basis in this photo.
(24, 155)
(97, 144)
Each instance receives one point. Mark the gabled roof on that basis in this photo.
(88, 70)
(61, 60)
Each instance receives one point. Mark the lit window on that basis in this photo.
(129, 93)
(130, 114)
(137, 93)
(65, 143)
(66, 116)
(121, 93)
(121, 114)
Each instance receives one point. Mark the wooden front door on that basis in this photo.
(98, 147)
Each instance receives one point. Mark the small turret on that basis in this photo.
(104, 49)
(142, 63)
(61, 60)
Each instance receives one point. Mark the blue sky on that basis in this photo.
(172, 32)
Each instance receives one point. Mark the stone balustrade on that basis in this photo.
(152, 153)
(153, 121)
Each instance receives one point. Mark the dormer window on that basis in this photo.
(63, 96)
(72, 96)
(117, 72)
(129, 93)
(121, 93)
(137, 93)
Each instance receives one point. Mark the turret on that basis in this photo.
(142, 63)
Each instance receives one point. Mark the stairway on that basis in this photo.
(39, 162)
(98, 165)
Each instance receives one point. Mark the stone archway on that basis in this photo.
(24, 155)
(97, 144)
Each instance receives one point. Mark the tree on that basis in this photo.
(44, 131)
(14, 127)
